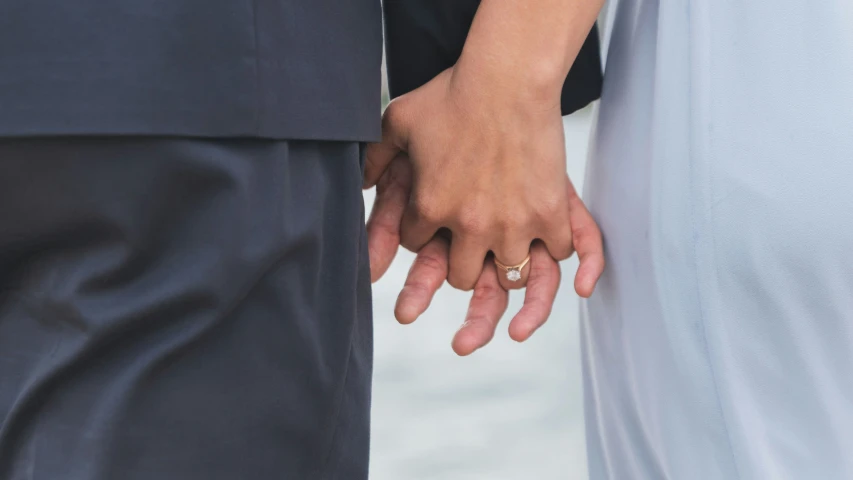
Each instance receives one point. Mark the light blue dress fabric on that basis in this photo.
(719, 344)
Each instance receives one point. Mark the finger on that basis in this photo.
(587, 240)
(466, 262)
(395, 130)
(539, 298)
(557, 226)
(514, 253)
(383, 226)
(487, 306)
(425, 278)
(416, 229)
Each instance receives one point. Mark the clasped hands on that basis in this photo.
(462, 176)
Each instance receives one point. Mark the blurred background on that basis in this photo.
(509, 412)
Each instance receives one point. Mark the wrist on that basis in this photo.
(498, 84)
(522, 50)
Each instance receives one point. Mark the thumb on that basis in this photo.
(383, 226)
(395, 129)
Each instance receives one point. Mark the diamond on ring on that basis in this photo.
(513, 274)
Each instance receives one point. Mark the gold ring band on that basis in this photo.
(513, 272)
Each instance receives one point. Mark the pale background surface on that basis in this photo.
(509, 412)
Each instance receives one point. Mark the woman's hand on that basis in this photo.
(488, 165)
(486, 139)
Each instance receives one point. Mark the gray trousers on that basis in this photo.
(182, 309)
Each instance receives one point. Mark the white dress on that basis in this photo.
(719, 344)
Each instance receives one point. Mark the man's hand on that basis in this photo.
(489, 301)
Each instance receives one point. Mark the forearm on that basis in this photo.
(523, 49)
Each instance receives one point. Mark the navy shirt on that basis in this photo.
(425, 37)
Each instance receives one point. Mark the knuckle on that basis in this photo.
(417, 288)
(430, 263)
(590, 232)
(563, 253)
(408, 243)
(485, 293)
(518, 221)
(426, 209)
(553, 206)
(563, 230)
(514, 221)
(473, 223)
(394, 113)
(539, 272)
(559, 240)
(370, 156)
(563, 249)
(395, 177)
(458, 282)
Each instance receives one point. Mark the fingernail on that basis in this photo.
(406, 310)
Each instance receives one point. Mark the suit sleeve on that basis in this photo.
(425, 37)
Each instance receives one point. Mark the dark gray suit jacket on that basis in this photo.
(306, 69)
